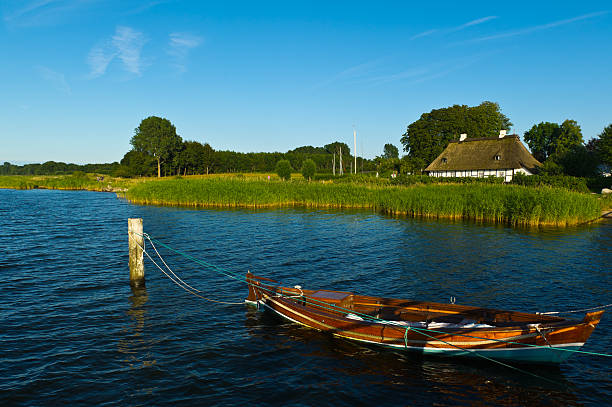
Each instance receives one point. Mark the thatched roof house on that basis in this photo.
(501, 156)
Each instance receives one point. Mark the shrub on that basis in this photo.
(123, 171)
(283, 169)
(308, 169)
(556, 181)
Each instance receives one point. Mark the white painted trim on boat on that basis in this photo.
(526, 353)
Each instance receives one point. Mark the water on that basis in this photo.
(73, 332)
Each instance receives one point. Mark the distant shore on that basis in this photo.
(509, 204)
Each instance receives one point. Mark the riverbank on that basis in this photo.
(514, 205)
(511, 204)
(67, 182)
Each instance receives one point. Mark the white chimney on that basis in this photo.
(502, 133)
(462, 136)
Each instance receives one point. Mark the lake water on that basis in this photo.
(73, 332)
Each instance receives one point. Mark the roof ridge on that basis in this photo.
(508, 136)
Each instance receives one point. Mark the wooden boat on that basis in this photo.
(427, 327)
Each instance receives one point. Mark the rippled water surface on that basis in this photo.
(73, 332)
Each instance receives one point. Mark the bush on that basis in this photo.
(308, 169)
(123, 171)
(596, 184)
(283, 169)
(556, 181)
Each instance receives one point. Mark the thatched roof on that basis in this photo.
(481, 154)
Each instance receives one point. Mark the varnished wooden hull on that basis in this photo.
(392, 323)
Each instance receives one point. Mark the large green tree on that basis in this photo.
(553, 140)
(578, 161)
(427, 137)
(390, 151)
(604, 145)
(157, 137)
(137, 163)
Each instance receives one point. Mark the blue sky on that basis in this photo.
(77, 76)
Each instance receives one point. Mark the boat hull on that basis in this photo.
(518, 337)
(536, 355)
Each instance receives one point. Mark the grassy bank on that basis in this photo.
(512, 204)
(65, 182)
(516, 205)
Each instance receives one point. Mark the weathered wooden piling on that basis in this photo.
(136, 245)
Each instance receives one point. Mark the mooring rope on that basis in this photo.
(490, 359)
(330, 307)
(576, 310)
(201, 262)
(178, 281)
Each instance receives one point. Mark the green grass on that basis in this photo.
(606, 202)
(66, 182)
(516, 205)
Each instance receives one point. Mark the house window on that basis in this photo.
(497, 157)
(444, 160)
(481, 174)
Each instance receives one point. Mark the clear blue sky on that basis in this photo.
(77, 76)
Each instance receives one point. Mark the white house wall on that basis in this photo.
(507, 174)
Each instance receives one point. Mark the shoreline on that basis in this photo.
(513, 205)
(510, 204)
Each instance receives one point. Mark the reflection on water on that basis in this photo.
(462, 381)
(134, 343)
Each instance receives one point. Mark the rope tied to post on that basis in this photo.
(172, 275)
(313, 302)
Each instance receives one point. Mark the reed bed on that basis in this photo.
(515, 205)
(64, 182)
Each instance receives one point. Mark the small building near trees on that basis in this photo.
(502, 156)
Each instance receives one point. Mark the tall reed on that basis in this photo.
(516, 205)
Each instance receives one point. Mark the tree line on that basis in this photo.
(57, 168)
(158, 150)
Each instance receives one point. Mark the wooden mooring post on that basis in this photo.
(136, 244)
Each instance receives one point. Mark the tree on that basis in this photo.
(386, 166)
(427, 137)
(334, 148)
(157, 137)
(412, 165)
(578, 161)
(308, 169)
(136, 163)
(549, 139)
(604, 145)
(390, 151)
(308, 150)
(541, 139)
(570, 136)
(195, 157)
(283, 169)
